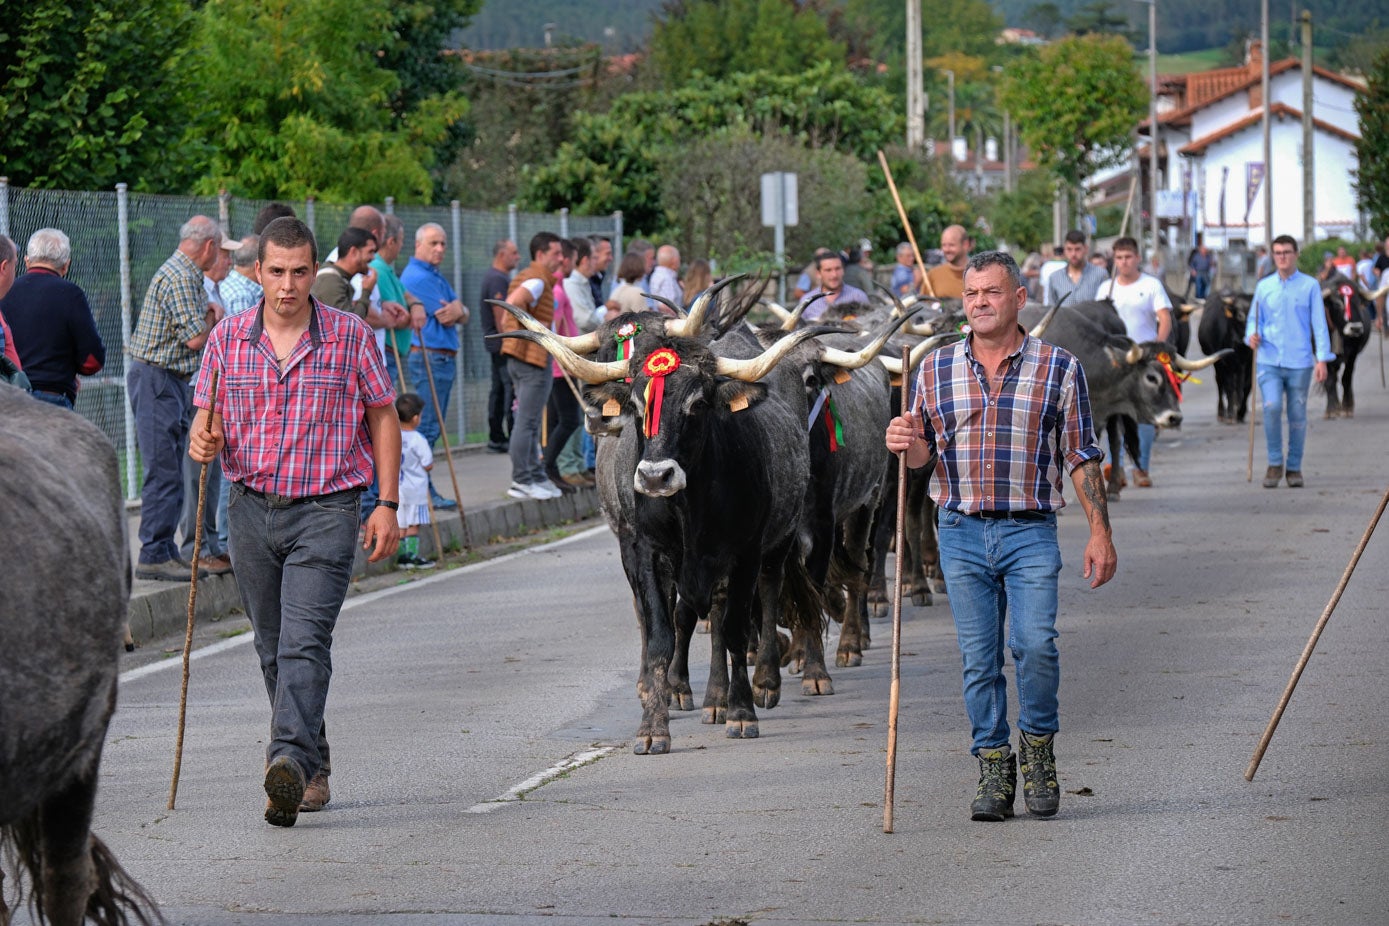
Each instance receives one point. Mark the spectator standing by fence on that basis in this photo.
(50, 321)
(241, 290)
(495, 283)
(174, 322)
(665, 278)
(602, 260)
(529, 367)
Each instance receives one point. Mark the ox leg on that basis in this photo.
(854, 552)
(681, 694)
(884, 524)
(68, 877)
(653, 585)
(1333, 404)
(1347, 393)
(1112, 428)
(919, 537)
(715, 706)
(740, 721)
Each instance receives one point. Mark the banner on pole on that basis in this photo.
(1253, 179)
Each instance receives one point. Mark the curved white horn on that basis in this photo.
(583, 344)
(750, 371)
(1134, 354)
(1040, 329)
(789, 323)
(852, 360)
(780, 311)
(1191, 366)
(894, 364)
(590, 371)
(690, 325)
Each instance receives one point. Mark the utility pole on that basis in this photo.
(1268, 138)
(1309, 219)
(916, 113)
(1152, 120)
(950, 79)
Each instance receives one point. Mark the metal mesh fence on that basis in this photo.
(115, 278)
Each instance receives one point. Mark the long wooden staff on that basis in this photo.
(902, 214)
(1312, 643)
(901, 568)
(192, 600)
(428, 499)
(1382, 383)
(443, 436)
(1253, 396)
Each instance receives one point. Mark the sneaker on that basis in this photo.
(498, 447)
(544, 490)
(414, 561)
(1040, 791)
(171, 570)
(519, 490)
(1141, 479)
(316, 794)
(1294, 479)
(1273, 477)
(998, 783)
(284, 788)
(444, 504)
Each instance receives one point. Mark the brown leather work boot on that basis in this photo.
(284, 786)
(1273, 477)
(316, 795)
(1141, 478)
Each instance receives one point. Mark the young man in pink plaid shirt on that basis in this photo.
(304, 412)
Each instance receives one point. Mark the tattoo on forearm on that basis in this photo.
(1093, 486)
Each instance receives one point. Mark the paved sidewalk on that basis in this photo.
(158, 609)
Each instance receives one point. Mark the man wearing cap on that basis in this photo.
(175, 319)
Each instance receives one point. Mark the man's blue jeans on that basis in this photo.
(443, 367)
(1280, 388)
(292, 565)
(996, 570)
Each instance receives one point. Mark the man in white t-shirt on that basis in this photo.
(1141, 301)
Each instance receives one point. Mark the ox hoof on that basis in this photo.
(711, 715)
(848, 659)
(817, 686)
(921, 599)
(878, 610)
(767, 698)
(702, 626)
(741, 729)
(651, 745)
(682, 700)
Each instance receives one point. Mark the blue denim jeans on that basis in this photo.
(443, 368)
(292, 565)
(1147, 434)
(1000, 570)
(163, 407)
(52, 398)
(1280, 388)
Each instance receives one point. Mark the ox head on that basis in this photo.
(1347, 308)
(1154, 373)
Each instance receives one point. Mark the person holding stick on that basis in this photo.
(304, 418)
(997, 417)
(1292, 345)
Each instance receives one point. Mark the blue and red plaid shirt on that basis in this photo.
(299, 432)
(1004, 452)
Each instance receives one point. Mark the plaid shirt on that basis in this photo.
(240, 293)
(1004, 452)
(303, 431)
(173, 314)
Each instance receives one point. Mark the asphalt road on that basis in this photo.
(453, 697)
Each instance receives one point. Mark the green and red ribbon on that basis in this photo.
(624, 337)
(659, 364)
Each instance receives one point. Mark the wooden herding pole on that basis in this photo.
(1312, 643)
(192, 601)
(897, 583)
(906, 226)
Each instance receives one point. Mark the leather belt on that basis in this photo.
(286, 501)
(1025, 516)
(433, 350)
(163, 369)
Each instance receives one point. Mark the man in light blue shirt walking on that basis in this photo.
(1287, 329)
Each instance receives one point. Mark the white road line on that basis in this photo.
(360, 600)
(516, 792)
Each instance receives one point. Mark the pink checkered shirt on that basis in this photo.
(301, 432)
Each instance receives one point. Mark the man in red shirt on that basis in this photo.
(304, 412)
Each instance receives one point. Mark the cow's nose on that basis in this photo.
(658, 477)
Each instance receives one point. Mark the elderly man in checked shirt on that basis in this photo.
(304, 410)
(998, 416)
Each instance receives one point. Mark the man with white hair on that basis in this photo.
(665, 278)
(904, 272)
(51, 322)
(165, 350)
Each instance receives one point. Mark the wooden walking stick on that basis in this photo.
(900, 568)
(443, 436)
(400, 374)
(1312, 643)
(192, 601)
(902, 214)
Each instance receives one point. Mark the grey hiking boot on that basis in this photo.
(998, 783)
(1040, 791)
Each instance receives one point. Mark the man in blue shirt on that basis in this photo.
(434, 318)
(904, 272)
(1286, 323)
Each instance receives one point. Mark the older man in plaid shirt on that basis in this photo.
(304, 411)
(999, 416)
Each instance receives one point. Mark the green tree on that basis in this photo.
(1023, 217)
(720, 38)
(1372, 176)
(1076, 104)
(95, 92)
(296, 103)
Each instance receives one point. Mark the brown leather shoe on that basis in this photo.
(1294, 479)
(316, 795)
(1273, 477)
(216, 565)
(1140, 478)
(284, 786)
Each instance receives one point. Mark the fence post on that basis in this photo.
(123, 236)
(224, 211)
(564, 222)
(308, 217)
(511, 223)
(456, 217)
(617, 237)
(5, 206)
(390, 205)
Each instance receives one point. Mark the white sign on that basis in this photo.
(779, 200)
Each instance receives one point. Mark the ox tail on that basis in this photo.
(116, 900)
(847, 580)
(802, 603)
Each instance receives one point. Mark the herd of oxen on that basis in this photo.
(741, 467)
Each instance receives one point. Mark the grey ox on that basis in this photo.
(64, 585)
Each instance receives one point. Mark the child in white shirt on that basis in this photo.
(416, 462)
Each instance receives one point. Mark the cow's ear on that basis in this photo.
(608, 398)
(736, 395)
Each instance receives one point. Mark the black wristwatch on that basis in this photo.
(383, 503)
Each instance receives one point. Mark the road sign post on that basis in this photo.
(779, 209)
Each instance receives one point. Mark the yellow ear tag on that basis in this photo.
(841, 376)
(895, 379)
(612, 408)
(738, 403)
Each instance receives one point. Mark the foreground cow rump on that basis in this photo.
(65, 582)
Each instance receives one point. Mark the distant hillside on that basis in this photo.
(618, 25)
